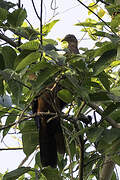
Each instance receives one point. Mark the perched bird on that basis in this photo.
(50, 131)
(72, 43)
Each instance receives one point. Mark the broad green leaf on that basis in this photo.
(116, 115)
(14, 83)
(116, 91)
(31, 45)
(9, 56)
(107, 47)
(115, 22)
(40, 66)
(104, 61)
(16, 173)
(16, 89)
(33, 57)
(76, 61)
(47, 27)
(116, 159)
(3, 14)
(65, 95)
(17, 17)
(6, 5)
(103, 77)
(21, 56)
(43, 76)
(110, 140)
(30, 136)
(10, 119)
(51, 173)
(110, 108)
(94, 133)
(100, 96)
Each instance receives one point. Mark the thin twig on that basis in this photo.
(35, 10)
(97, 16)
(10, 149)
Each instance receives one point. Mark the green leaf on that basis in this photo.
(51, 174)
(9, 56)
(101, 13)
(33, 57)
(16, 173)
(115, 22)
(41, 66)
(31, 45)
(10, 119)
(6, 5)
(3, 14)
(49, 26)
(118, 53)
(104, 61)
(106, 47)
(65, 95)
(2, 63)
(17, 17)
(37, 159)
(14, 83)
(100, 96)
(103, 77)
(94, 134)
(44, 75)
(110, 140)
(110, 108)
(30, 136)
(92, 6)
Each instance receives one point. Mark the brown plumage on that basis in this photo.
(51, 135)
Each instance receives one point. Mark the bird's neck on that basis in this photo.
(73, 47)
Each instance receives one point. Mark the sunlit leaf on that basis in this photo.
(34, 56)
(49, 26)
(31, 45)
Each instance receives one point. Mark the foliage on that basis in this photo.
(91, 84)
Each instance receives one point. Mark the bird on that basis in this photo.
(51, 138)
(72, 43)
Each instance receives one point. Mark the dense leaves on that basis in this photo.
(90, 85)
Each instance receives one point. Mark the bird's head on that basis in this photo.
(72, 43)
(70, 38)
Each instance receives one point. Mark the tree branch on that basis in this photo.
(35, 10)
(8, 40)
(97, 16)
(107, 118)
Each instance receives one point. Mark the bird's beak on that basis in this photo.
(63, 40)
